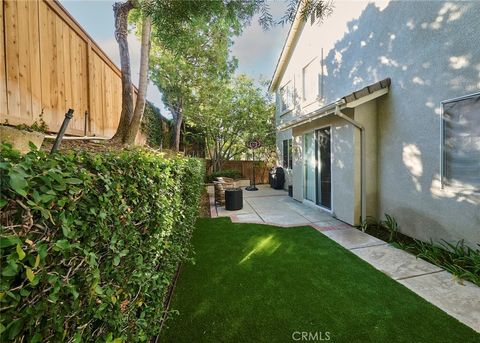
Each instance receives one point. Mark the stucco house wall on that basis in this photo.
(431, 52)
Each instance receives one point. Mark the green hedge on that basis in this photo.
(156, 127)
(90, 242)
(231, 173)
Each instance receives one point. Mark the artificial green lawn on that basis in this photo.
(258, 283)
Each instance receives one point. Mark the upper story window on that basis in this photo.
(461, 142)
(311, 78)
(286, 97)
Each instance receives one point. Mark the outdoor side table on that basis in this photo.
(233, 199)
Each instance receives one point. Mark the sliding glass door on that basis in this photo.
(310, 166)
(324, 170)
(317, 166)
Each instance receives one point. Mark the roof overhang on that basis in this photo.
(288, 47)
(352, 100)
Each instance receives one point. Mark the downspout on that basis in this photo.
(363, 190)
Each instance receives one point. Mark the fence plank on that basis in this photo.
(24, 75)
(246, 168)
(3, 74)
(35, 63)
(12, 52)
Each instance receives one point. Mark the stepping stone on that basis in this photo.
(352, 238)
(394, 262)
(460, 300)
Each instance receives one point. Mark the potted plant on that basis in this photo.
(20, 136)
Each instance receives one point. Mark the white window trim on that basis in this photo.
(443, 183)
(290, 106)
(318, 96)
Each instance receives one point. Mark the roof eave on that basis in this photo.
(287, 50)
(352, 100)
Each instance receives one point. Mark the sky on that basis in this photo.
(257, 50)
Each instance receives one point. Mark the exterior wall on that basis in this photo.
(431, 51)
(281, 136)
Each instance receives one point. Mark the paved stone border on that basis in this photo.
(213, 207)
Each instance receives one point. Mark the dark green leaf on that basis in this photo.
(18, 183)
(15, 328)
(8, 241)
(62, 244)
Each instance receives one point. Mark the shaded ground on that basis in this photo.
(258, 283)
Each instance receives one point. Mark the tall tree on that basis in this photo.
(198, 57)
(231, 117)
(131, 116)
(121, 11)
(169, 19)
(129, 137)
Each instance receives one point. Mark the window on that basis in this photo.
(311, 81)
(461, 142)
(286, 97)
(287, 154)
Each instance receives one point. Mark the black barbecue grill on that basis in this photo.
(277, 177)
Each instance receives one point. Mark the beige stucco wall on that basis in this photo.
(431, 51)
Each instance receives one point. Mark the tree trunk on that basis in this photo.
(142, 82)
(216, 160)
(177, 129)
(121, 11)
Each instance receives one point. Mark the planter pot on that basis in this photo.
(20, 139)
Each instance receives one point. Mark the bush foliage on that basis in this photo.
(231, 173)
(90, 242)
(156, 127)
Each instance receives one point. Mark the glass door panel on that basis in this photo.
(310, 166)
(324, 172)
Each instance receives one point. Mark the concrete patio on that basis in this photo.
(460, 299)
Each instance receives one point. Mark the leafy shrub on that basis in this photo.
(391, 225)
(156, 127)
(367, 223)
(459, 259)
(89, 242)
(231, 173)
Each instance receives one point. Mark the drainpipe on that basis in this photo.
(363, 190)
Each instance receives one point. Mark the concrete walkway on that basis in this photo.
(460, 299)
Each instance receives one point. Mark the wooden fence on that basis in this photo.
(246, 168)
(49, 63)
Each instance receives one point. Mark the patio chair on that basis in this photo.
(220, 185)
(225, 180)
